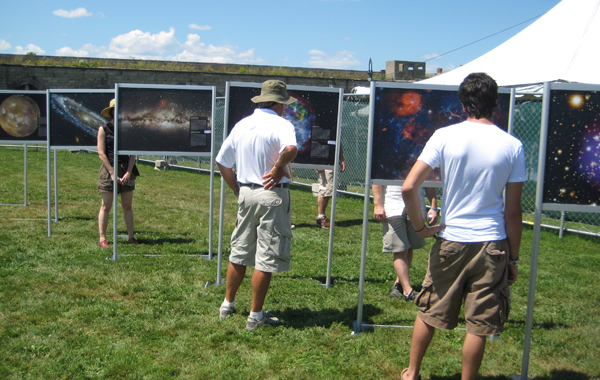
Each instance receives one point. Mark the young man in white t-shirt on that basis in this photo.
(476, 254)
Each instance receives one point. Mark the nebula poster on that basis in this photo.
(572, 174)
(23, 117)
(74, 117)
(405, 117)
(165, 119)
(314, 116)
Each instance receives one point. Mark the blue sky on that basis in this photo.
(338, 34)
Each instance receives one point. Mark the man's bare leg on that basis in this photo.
(422, 335)
(235, 276)
(472, 355)
(260, 287)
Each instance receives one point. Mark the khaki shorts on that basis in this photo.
(399, 235)
(474, 272)
(326, 183)
(263, 235)
(105, 184)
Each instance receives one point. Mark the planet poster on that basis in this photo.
(406, 117)
(166, 120)
(75, 117)
(23, 116)
(314, 116)
(572, 174)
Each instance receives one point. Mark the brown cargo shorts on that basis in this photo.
(474, 272)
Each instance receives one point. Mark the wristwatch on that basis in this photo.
(513, 262)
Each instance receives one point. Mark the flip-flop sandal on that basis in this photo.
(402, 374)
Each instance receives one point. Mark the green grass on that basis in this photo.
(68, 313)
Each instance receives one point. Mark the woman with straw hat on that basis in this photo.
(127, 172)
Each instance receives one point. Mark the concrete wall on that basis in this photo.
(27, 76)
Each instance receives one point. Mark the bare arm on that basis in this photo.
(513, 219)
(379, 210)
(278, 170)
(432, 214)
(102, 152)
(229, 177)
(410, 194)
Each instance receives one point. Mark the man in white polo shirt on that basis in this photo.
(261, 146)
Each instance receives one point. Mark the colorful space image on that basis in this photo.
(314, 117)
(165, 120)
(572, 174)
(405, 119)
(23, 116)
(75, 117)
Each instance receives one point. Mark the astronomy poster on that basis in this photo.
(23, 116)
(404, 120)
(572, 174)
(75, 117)
(167, 120)
(314, 116)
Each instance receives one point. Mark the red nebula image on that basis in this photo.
(414, 132)
(408, 104)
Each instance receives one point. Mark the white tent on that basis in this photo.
(562, 45)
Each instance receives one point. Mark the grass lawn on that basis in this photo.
(66, 312)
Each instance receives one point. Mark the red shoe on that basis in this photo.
(134, 242)
(104, 244)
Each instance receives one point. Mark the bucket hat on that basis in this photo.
(106, 112)
(274, 91)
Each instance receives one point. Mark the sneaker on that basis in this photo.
(323, 222)
(411, 296)
(224, 311)
(293, 226)
(104, 244)
(268, 320)
(396, 290)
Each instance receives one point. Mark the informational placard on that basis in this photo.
(170, 120)
(405, 117)
(314, 116)
(572, 169)
(74, 117)
(23, 117)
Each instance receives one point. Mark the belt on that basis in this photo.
(257, 186)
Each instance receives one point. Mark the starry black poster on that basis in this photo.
(405, 119)
(23, 116)
(76, 116)
(572, 174)
(314, 116)
(165, 120)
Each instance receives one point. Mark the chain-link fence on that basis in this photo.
(355, 121)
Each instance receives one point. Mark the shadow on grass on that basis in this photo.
(306, 318)
(555, 374)
(338, 223)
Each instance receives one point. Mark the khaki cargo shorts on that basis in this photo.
(326, 183)
(474, 272)
(263, 233)
(399, 235)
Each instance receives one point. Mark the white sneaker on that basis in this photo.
(224, 311)
(268, 320)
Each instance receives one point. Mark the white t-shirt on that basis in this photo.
(476, 162)
(254, 145)
(393, 203)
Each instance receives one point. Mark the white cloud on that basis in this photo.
(4, 45)
(142, 44)
(429, 56)
(196, 51)
(79, 12)
(68, 52)
(29, 48)
(341, 60)
(200, 27)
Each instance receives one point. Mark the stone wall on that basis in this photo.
(27, 76)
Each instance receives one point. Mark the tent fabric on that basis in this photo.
(561, 46)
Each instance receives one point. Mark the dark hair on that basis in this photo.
(266, 104)
(479, 95)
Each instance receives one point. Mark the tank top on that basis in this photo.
(109, 131)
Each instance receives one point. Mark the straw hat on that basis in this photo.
(274, 91)
(106, 112)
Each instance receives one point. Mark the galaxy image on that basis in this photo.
(572, 174)
(405, 119)
(165, 120)
(23, 116)
(314, 116)
(75, 117)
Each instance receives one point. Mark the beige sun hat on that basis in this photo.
(106, 112)
(274, 91)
